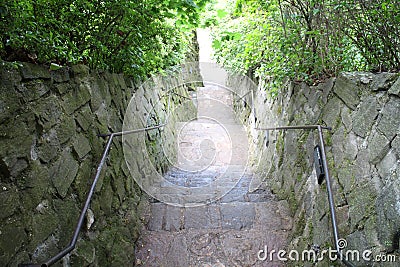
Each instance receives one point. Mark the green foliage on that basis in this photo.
(307, 40)
(374, 27)
(135, 37)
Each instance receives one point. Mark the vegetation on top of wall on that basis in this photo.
(134, 37)
(306, 40)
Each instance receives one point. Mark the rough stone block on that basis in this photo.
(9, 103)
(118, 182)
(32, 71)
(81, 146)
(347, 177)
(103, 117)
(84, 177)
(66, 129)
(45, 250)
(344, 146)
(61, 75)
(396, 145)
(383, 81)
(388, 214)
(43, 225)
(346, 118)
(347, 90)
(48, 146)
(121, 81)
(395, 89)
(15, 141)
(342, 215)
(331, 112)
(364, 118)
(85, 252)
(361, 202)
(18, 167)
(326, 88)
(9, 76)
(80, 69)
(115, 120)
(378, 147)
(67, 212)
(387, 165)
(13, 236)
(37, 185)
(106, 197)
(97, 94)
(9, 202)
(123, 251)
(84, 118)
(62, 88)
(358, 241)
(48, 110)
(33, 90)
(389, 124)
(75, 99)
(63, 172)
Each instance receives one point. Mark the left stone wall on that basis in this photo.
(49, 122)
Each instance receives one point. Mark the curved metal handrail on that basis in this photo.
(325, 166)
(327, 180)
(82, 215)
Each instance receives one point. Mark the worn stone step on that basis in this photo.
(231, 234)
(214, 220)
(236, 215)
(199, 248)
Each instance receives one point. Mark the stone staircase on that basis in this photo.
(215, 220)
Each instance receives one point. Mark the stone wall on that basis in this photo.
(50, 149)
(363, 151)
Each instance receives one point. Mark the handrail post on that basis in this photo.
(329, 188)
(327, 179)
(331, 200)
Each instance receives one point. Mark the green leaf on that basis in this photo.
(221, 13)
(216, 44)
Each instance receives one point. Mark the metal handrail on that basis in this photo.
(294, 127)
(241, 97)
(78, 227)
(325, 166)
(134, 131)
(327, 180)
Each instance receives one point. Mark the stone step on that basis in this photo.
(229, 234)
(214, 220)
(208, 186)
(221, 175)
(199, 248)
(272, 215)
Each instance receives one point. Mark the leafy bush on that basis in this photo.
(136, 37)
(307, 40)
